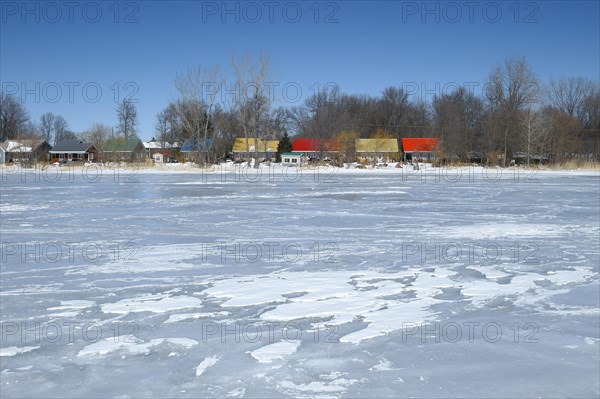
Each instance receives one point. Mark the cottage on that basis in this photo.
(192, 148)
(73, 150)
(165, 148)
(419, 149)
(293, 158)
(123, 150)
(267, 150)
(316, 148)
(24, 151)
(377, 150)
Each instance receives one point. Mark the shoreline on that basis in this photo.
(276, 169)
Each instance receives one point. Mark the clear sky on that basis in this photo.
(78, 59)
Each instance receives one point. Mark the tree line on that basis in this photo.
(515, 114)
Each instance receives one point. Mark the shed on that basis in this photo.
(293, 158)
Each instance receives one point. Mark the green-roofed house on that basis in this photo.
(123, 150)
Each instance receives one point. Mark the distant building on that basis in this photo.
(316, 148)
(123, 150)
(267, 150)
(24, 151)
(191, 149)
(153, 147)
(293, 158)
(520, 158)
(74, 150)
(377, 150)
(419, 149)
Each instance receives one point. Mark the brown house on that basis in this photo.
(27, 151)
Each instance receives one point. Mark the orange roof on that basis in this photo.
(419, 144)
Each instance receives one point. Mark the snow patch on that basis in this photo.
(276, 351)
(134, 346)
(159, 303)
(15, 350)
(206, 363)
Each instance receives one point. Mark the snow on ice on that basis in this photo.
(362, 283)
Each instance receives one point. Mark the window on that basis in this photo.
(286, 160)
(294, 160)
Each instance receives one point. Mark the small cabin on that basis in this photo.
(293, 158)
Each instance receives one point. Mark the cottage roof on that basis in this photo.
(121, 145)
(263, 146)
(21, 145)
(376, 145)
(192, 145)
(72, 146)
(314, 145)
(419, 144)
(158, 145)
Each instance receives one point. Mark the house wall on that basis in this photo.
(261, 155)
(137, 155)
(420, 156)
(377, 156)
(288, 160)
(75, 157)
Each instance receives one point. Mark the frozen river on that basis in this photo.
(333, 284)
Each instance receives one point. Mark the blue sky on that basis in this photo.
(78, 59)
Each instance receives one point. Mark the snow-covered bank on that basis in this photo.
(274, 170)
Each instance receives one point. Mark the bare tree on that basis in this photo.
(30, 131)
(198, 89)
(535, 133)
(456, 117)
(569, 95)
(13, 117)
(391, 109)
(510, 90)
(162, 127)
(250, 102)
(127, 119)
(97, 135)
(46, 126)
(61, 130)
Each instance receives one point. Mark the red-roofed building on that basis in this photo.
(421, 149)
(316, 148)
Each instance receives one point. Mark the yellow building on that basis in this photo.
(377, 150)
(266, 149)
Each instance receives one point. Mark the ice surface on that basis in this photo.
(338, 283)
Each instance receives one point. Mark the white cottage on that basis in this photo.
(293, 158)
